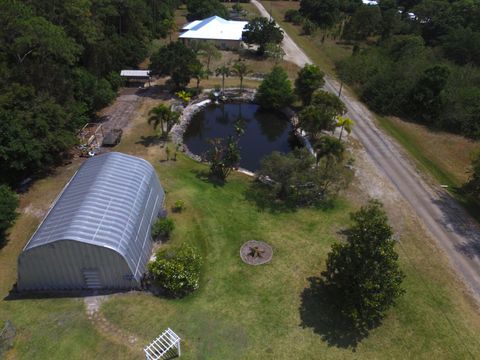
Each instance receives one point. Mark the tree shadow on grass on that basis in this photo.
(259, 195)
(319, 311)
(205, 176)
(150, 140)
(265, 200)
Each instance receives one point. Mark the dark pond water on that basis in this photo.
(265, 132)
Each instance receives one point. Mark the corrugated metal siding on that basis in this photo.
(110, 203)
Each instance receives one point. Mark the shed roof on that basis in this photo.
(135, 73)
(214, 28)
(104, 205)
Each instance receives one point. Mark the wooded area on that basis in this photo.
(424, 62)
(59, 63)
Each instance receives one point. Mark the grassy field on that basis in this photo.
(266, 312)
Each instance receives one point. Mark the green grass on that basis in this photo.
(241, 312)
(244, 312)
(433, 162)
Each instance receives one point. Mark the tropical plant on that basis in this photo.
(177, 270)
(223, 156)
(321, 114)
(209, 51)
(178, 206)
(184, 95)
(328, 147)
(344, 123)
(198, 73)
(275, 52)
(223, 71)
(162, 115)
(162, 228)
(241, 69)
(275, 91)
(363, 274)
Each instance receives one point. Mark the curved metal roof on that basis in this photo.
(110, 202)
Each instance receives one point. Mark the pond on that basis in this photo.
(265, 132)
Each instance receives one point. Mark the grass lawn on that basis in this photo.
(444, 155)
(240, 311)
(268, 312)
(46, 328)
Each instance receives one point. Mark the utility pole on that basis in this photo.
(340, 90)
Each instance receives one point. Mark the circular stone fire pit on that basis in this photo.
(255, 252)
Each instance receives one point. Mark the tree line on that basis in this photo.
(424, 61)
(59, 64)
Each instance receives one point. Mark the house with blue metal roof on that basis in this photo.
(226, 34)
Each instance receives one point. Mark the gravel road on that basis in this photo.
(452, 228)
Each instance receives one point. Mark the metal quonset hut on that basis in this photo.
(97, 233)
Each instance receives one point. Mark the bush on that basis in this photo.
(8, 206)
(178, 206)
(363, 273)
(275, 91)
(163, 228)
(177, 270)
(290, 15)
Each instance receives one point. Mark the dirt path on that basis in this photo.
(396, 179)
(107, 329)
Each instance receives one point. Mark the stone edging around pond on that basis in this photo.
(232, 94)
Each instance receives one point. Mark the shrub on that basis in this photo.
(178, 206)
(8, 206)
(163, 228)
(275, 91)
(177, 270)
(290, 15)
(363, 273)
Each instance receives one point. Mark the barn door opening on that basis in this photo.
(92, 279)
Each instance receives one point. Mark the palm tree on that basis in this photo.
(345, 123)
(225, 71)
(241, 70)
(198, 73)
(162, 115)
(209, 51)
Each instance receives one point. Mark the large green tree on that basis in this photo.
(321, 114)
(363, 274)
(262, 31)
(295, 181)
(324, 12)
(164, 117)
(275, 91)
(309, 79)
(202, 9)
(174, 60)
